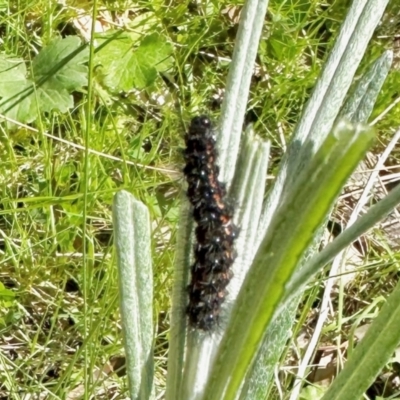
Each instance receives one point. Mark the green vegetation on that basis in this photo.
(81, 122)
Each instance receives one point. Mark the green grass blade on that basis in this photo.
(86, 202)
(291, 232)
(371, 355)
(132, 239)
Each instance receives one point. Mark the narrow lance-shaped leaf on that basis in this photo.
(359, 105)
(178, 330)
(132, 239)
(357, 108)
(327, 97)
(291, 232)
(251, 23)
(248, 192)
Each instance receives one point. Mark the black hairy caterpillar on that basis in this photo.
(215, 232)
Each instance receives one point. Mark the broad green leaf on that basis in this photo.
(155, 51)
(52, 96)
(126, 67)
(61, 64)
(12, 74)
(57, 71)
(143, 74)
(6, 294)
(116, 59)
(20, 105)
